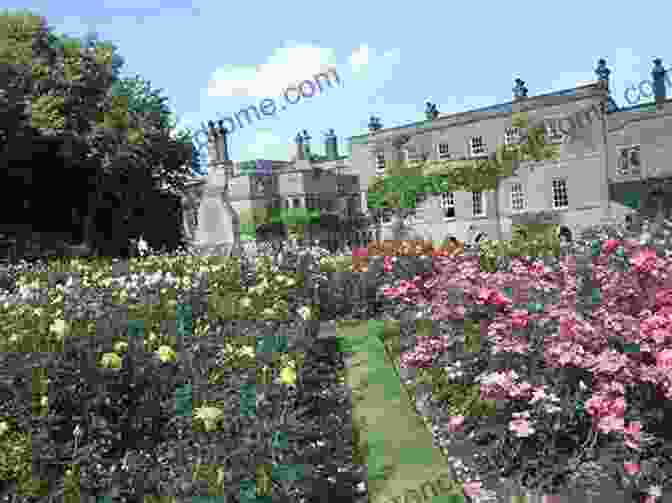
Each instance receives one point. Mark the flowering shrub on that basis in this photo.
(562, 381)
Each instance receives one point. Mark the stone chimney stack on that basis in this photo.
(519, 90)
(331, 145)
(658, 75)
(299, 147)
(218, 151)
(306, 144)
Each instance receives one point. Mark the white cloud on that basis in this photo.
(266, 145)
(286, 66)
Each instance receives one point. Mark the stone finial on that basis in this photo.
(658, 76)
(331, 145)
(519, 90)
(299, 147)
(306, 144)
(602, 71)
(374, 124)
(431, 111)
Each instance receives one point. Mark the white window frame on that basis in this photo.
(472, 141)
(629, 171)
(443, 155)
(553, 134)
(517, 194)
(553, 194)
(511, 135)
(386, 216)
(380, 163)
(447, 202)
(481, 200)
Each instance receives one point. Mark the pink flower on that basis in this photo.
(608, 424)
(472, 488)
(633, 434)
(631, 468)
(387, 264)
(644, 261)
(664, 359)
(455, 424)
(519, 319)
(609, 246)
(521, 427)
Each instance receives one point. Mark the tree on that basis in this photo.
(59, 90)
(402, 182)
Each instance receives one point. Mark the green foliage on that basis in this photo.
(461, 399)
(534, 240)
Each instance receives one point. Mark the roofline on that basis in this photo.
(596, 85)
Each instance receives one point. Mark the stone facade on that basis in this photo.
(586, 180)
(588, 164)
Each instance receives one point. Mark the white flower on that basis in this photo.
(44, 401)
(120, 347)
(4, 427)
(246, 302)
(14, 338)
(305, 313)
(655, 491)
(290, 282)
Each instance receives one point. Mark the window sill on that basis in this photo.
(449, 219)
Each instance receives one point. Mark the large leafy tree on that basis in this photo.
(105, 135)
(398, 189)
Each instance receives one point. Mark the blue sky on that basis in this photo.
(214, 58)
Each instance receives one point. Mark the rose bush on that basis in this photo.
(557, 343)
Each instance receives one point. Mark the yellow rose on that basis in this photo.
(121, 346)
(59, 327)
(288, 376)
(210, 416)
(246, 351)
(166, 353)
(111, 360)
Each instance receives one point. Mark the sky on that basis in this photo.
(213, 58)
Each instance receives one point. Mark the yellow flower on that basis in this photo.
(4, 427)
(166, 353)
(290, 282)
(288, 376)
(121, 346)
(246, 351)
(59, 327)
(44, 401)
(246, 302)
(14, 338)
(281, 278)
(210, 416)
(268, 312)
(111, 360)
(37, 311)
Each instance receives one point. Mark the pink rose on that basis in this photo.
(664, 359)
(472, 488)
(455, 424)
(387, 264)
(609, 246)
(631, 468)
(521, 427)
(644, 261)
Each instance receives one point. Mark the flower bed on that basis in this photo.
(572, 355)
(105, 379)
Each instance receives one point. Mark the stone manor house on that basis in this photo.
(612, 161)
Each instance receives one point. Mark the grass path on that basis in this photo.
(403, 465)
